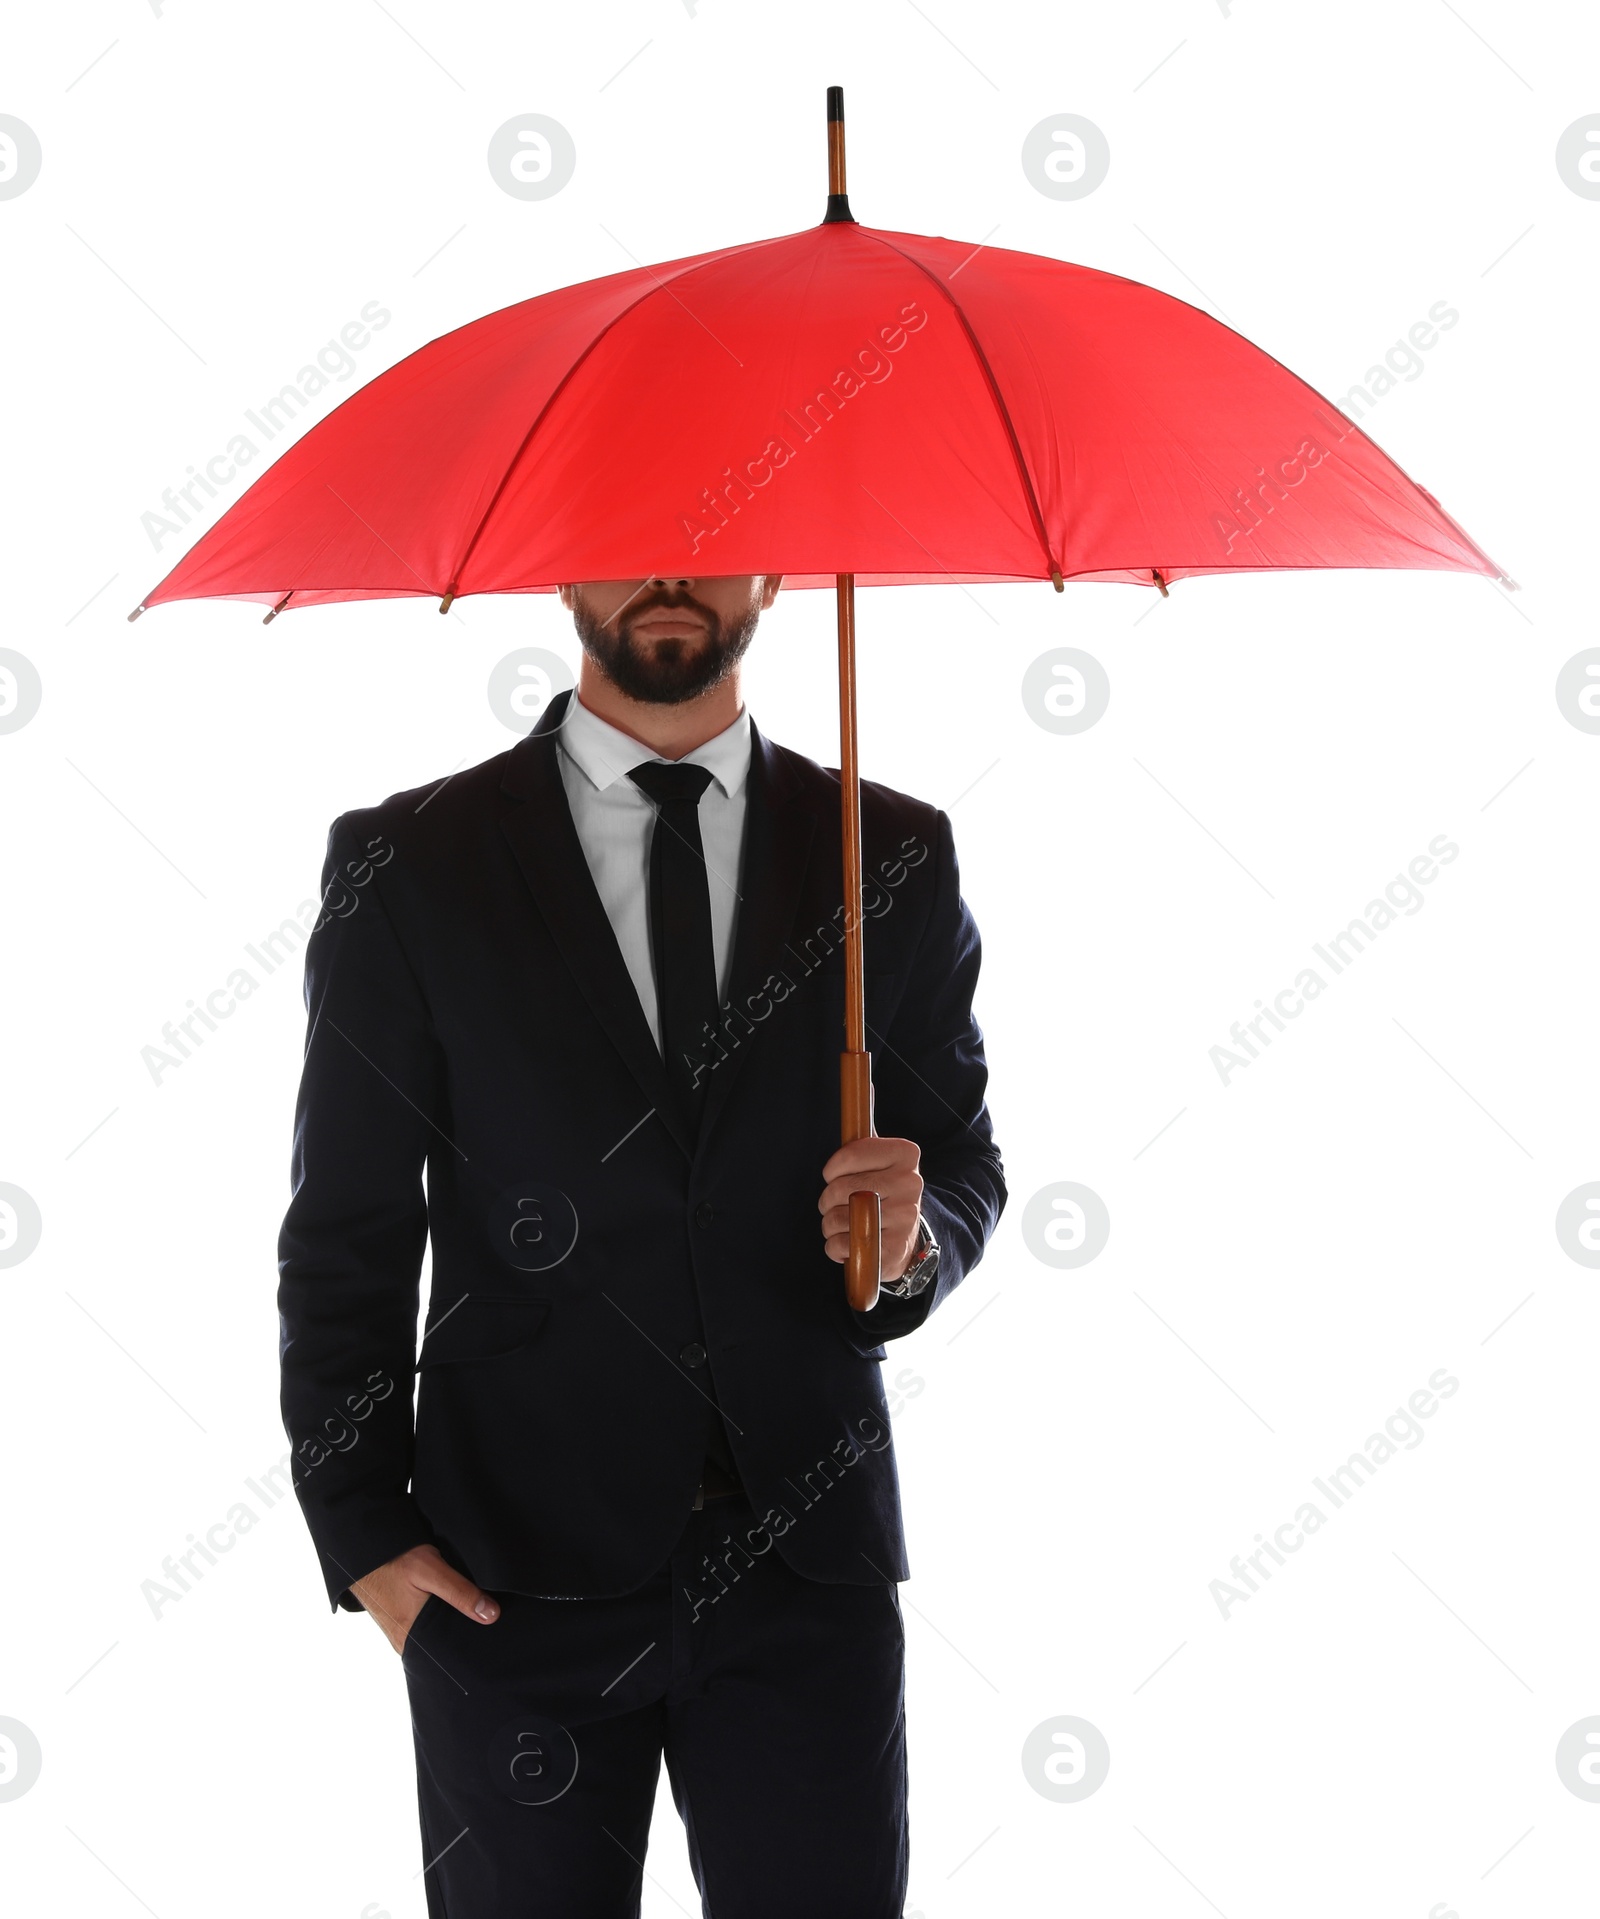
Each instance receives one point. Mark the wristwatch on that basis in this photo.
(920, 1273)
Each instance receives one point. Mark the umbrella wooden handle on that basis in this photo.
(865, 1258)
(864, 1261)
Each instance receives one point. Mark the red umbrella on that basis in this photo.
(840, 405)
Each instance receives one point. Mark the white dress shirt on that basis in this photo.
(615, 821)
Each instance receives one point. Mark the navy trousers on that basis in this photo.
(778, 1702)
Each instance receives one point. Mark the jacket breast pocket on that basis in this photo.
(481, 1326)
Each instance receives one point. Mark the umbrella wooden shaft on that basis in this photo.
(836, 180)
(855, 1063)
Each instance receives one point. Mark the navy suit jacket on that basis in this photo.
(479, 1073)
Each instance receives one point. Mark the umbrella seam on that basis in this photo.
(1143, 286)
(994, 390)
(657, 286)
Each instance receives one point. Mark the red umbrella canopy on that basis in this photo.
(842, 400)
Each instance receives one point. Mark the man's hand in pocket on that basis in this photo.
(394, 1594)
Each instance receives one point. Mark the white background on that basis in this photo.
(1292, 1257)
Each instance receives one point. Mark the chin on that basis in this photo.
(670, 690)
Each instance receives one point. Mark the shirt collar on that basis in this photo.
(604, 754)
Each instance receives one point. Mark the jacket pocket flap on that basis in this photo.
(478, 1326)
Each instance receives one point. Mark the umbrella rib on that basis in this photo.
(658, 285)
(1211, 319)
(994, 394)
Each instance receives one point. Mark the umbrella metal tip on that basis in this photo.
(135, 613)
(836, 103)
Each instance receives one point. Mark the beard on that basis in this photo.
(664, 672)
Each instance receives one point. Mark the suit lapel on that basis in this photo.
(542, 836)
(779, 828)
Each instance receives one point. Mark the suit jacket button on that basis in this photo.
(693, 1355)
(702, 1213)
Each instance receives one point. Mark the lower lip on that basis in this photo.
(669, 629)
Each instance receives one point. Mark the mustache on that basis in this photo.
(663, 599)
(660, 597)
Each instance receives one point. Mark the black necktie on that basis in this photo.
(680, 931)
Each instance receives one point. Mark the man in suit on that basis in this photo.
(575, 1017)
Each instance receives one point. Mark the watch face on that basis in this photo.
(916, 1276)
